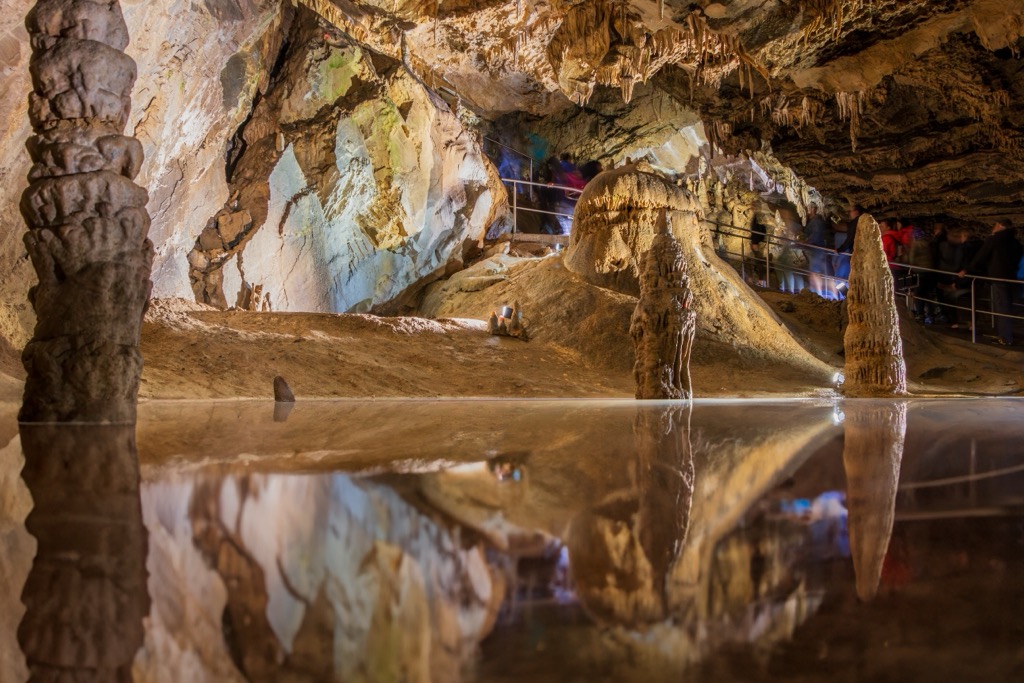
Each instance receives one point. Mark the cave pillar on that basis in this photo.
(663, 324)
(87, 219)
(872, 343)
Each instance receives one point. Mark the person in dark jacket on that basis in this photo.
(846, 248)
(818, 233)
(998, 258)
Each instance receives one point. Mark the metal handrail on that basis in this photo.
(530, 183)
(974, 279)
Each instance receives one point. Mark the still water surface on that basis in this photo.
(525, 541)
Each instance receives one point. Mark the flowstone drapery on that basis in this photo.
(663, 323)
(87, 220)
(874, 348)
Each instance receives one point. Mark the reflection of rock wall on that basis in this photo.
(17, 548)
(355, 181)
(327, 576)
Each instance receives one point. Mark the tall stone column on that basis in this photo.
(663, 324)
(87, 220)
(873, 346)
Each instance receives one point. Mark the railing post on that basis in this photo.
(743, 260)
(974, 323)
(515, 208)
(767, 258)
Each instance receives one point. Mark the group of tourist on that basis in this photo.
(914, 255)
(556, 174)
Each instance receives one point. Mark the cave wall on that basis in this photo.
(400, 183)
(353, 182)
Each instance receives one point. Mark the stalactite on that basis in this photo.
(851, 106)
(872, 452)
(872, 343)
(663, 323)
(87, 220)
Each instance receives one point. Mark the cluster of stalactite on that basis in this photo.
(872, 343)
(606, 43)
(87, 220)
(663, 324)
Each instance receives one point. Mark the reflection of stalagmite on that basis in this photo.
(86, 596)
(663, 324)
(874, 349)
(872, 452)
(622, 551)
(87, 220)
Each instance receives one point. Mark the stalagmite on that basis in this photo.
(283, 392)
(85, 598)
(87, 220)
(872, 453)
(873, 346)
(663, 324)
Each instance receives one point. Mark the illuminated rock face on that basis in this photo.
(87, 220)
(615, 223)
(663, 324)
(351, 182)
(85, 598)
(874, 348)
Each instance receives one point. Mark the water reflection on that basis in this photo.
(85, 596)
(497, 541)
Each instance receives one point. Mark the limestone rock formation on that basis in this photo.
(874, 348)
(872, 452)
(615, 225)
(87, 220)
(352, 181)
(85, 597)
(663, 323)
(282, 392)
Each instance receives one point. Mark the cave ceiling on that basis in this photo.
(909, 106)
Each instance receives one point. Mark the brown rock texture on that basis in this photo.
(85, 597)
(873, 345)
(874, 433)
(663, 324)
(87, 220)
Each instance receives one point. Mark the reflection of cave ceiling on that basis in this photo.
(907, 105)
